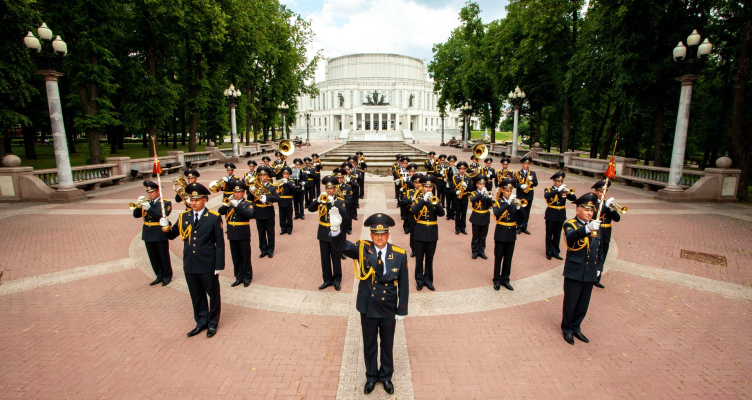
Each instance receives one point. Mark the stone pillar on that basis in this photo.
(123, 166)
(514, 135)
(59, 141)
(680, 134)
(388, 121)
(380, 120)
(371, 121)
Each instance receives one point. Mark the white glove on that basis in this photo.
(334, 218)
(512, 197)
(427, 196)
(484, 192)
(594, 225)
(401, 190)
(142, 198)
(458, 192)
(488, 175)
(609, 202)
(399, 317)
(397, 180)
(216, 272)
(164, 222)
(464, 184)
(523, 186)
(146, 206)
(226, 179)
(597, 273)
(234, 202)
(332, 199)
(562, 188)
(263, 199)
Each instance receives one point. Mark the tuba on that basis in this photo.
(217, 185)
(178, 186)
(286, 147)
(257, 189)
(480, 151)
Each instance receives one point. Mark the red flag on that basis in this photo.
(611, 171)
(157, 167)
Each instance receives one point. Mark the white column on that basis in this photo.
(680, 134)
(514, 135)
(233, 131)
(388, 121)
(372, 121)
(380, 119)
(59, 141)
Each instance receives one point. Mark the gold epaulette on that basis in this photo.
(398, 249)
(213, 212)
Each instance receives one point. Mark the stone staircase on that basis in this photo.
(379, 155)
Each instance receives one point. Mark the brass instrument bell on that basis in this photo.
(434, 200)
(619, 209)
(226, 201)
(216, 186)
(138, 203)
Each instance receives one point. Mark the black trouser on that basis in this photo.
(331, 263)
(265, 229)
(405, 215)
(503, 253)
(460, 216)
(285, 219)
(310, 195)
(411, 229)
(159, 257)
(317, 187)
(553, 237)
(353, 209)
(383, 328)
(451, 197)
(576, 302)
(298, 197)
(206, 313)
(397, 191)
(440, 187)
(478, 243)
(362, 185)
(604, 248)
(521, 225)
(424, 272)
(241, 260)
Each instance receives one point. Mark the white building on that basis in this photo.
(368, 93)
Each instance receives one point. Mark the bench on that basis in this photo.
(208, 161)
(172, 167)
(647, 184)
(546, 163)
(584, 170)
(93, 184)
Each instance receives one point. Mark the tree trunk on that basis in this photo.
(611, 132)
(29, 134)
(740, 143)
(567, 120)
(70, 133)
(596, 139)
(249, 98)
(660, 119)
(88, 94)
(538, 117)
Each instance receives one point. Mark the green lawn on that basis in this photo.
(500, 136)
(46, 154)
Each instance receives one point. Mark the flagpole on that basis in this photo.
(158, 170)
(610, 173)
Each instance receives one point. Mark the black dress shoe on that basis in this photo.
(369, 387)
(236, 283)
(599, 285)
(558, 257)
(165, 283)
(337, 287)
(196, 331)
(475, 256)
(349, 232)
(344, 257)
(356, 218)
(324, 286)
(581, 337)
(420, 287)
(412, 254)
(389, 387)
(464, 232)
(155, 282)
(430, 287)
(497, 286)
(548, 257)
(407, 231)
(483, 256)
(525, 231)
(211, 332)
(508, 286)
(456, 231)
(270, 255)
(568, 337)
(246, 284)
(262, 255)
(302, 217)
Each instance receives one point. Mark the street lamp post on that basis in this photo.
(283, 109)
(307, 120)
(466, 110)
(690, 59)
(516, 97)
(48, 56)
(232, 95)
(442, 115)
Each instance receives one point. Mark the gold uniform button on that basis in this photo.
(194, 252)
(385, 291)
(382, 298)
(371, 295)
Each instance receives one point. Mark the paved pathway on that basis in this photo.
(81, 321)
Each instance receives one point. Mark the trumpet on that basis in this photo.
(217, 185)
(518, 202)
(434, 200)
(138, 203)
(324, 198)
(569, 191)
(226, 201)
(619, 209)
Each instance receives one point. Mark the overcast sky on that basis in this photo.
(384, 26)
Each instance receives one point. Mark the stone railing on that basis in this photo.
(196, 156)
(658, 176)
(83, 176)
(143, 166)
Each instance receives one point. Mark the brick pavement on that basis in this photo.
(82, 322)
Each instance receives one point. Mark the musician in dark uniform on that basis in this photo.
(411, 197)
(310, 181)
(582, 266)
(504, 172)
(203, 257)
(382, 293)
(396, 169)
(225, 188)
(352, 180)
(266, 162)
(440, 174)
(430, 163)
(507, 214)
(490, 174)
(407, 187)
(237, 216)
(525, 181)
(263, 212)
(191, 176)
(284, 189)
(450, 193)
(317, 177)
(278, 164)
(299, 179)
(249, 176)
(481, 202)
(345, 194)
(331, 263)
(426, 231)
(462, 185)
(556, 213)
(360, 163)
(609, 215)
(157, 246)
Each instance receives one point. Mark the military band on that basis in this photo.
(344, 192)
(352, 180)
(490, 174)
(298, 177)
(284, 189)
(462, 185)
(225, 187)
(310, 180)
(238, 214)
(360, 163)
(189, 176)
(609, 215)
(265, 194)
(504, 172)
(406, 192)
(316, 163)
(450, 194)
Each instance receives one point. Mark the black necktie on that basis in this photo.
(195, 218)
(379, 256)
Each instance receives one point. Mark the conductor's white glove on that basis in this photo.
(427, 196)
(216, 271)
(146, 206)
(562, 188)
(523, 186)
(164, 221)
(594, 225)
(399, 317)
(609, 202)
(234, 202)
(335, 220)
(226, 179)
(263, 199)
(464, 184)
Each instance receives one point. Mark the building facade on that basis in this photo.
(375, 92)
